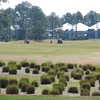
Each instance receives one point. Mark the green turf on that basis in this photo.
(46, 98)
(73, 50)
(68, 48)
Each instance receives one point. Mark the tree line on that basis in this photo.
(26, 21)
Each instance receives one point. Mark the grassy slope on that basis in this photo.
(46, 98)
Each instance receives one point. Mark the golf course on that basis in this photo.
(31, 63)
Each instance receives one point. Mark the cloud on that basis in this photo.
(63, 6)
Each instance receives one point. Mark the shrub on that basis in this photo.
(55, 91)
(99, 87)
(35, 71)
(90, 77)
(59, 86)
(77, 74)
(66, 77)
(12, 63)
(23, 84)
(80, 66)
(12, 69)
(18, 66)
(84, 67)
(35, 83)
(52, 66)
(24, 80)
(64, 68)
(87, 72)
(47, 79)
(30, 90)
(84, 92)
(24, 64)
(85, 84)
(2, 63)
(92, 68)
(32, 65)
(52, 72)
(5, 69)
(3, 83)
(46, 66)
(60, 74)
(12, 89)
(60, 65)
(96, 94)
(45, 91)
(98, 77)
(45, 69)
(73, 90)
(37, 67)
(27, 70)
(70, 66)
(52, 78)
(13, 82)
(92, 83)
(77, 77)
(63, 81)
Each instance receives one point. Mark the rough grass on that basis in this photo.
(71, 51)
(18, 77)
(46, 98)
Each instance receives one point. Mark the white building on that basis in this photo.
(82, 27)
(95, 27)
(67, 26)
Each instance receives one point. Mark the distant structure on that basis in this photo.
(83, 32)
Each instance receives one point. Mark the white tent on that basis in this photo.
(82, 27)
(67, 27)
(95, 27)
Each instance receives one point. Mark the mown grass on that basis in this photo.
(45, 48)
(71, 51)
(46, 98)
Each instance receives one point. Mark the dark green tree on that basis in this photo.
(90, 18)
(77, 18)
(54, 22)
(22, 19)
(5, 21)
(38, 22)
(31, 21)
(68, 18)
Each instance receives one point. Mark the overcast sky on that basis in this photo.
(63, 6)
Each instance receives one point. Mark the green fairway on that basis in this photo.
(46, 98)
(70, 51)
(45, 48)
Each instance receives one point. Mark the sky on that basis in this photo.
(60, 7)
